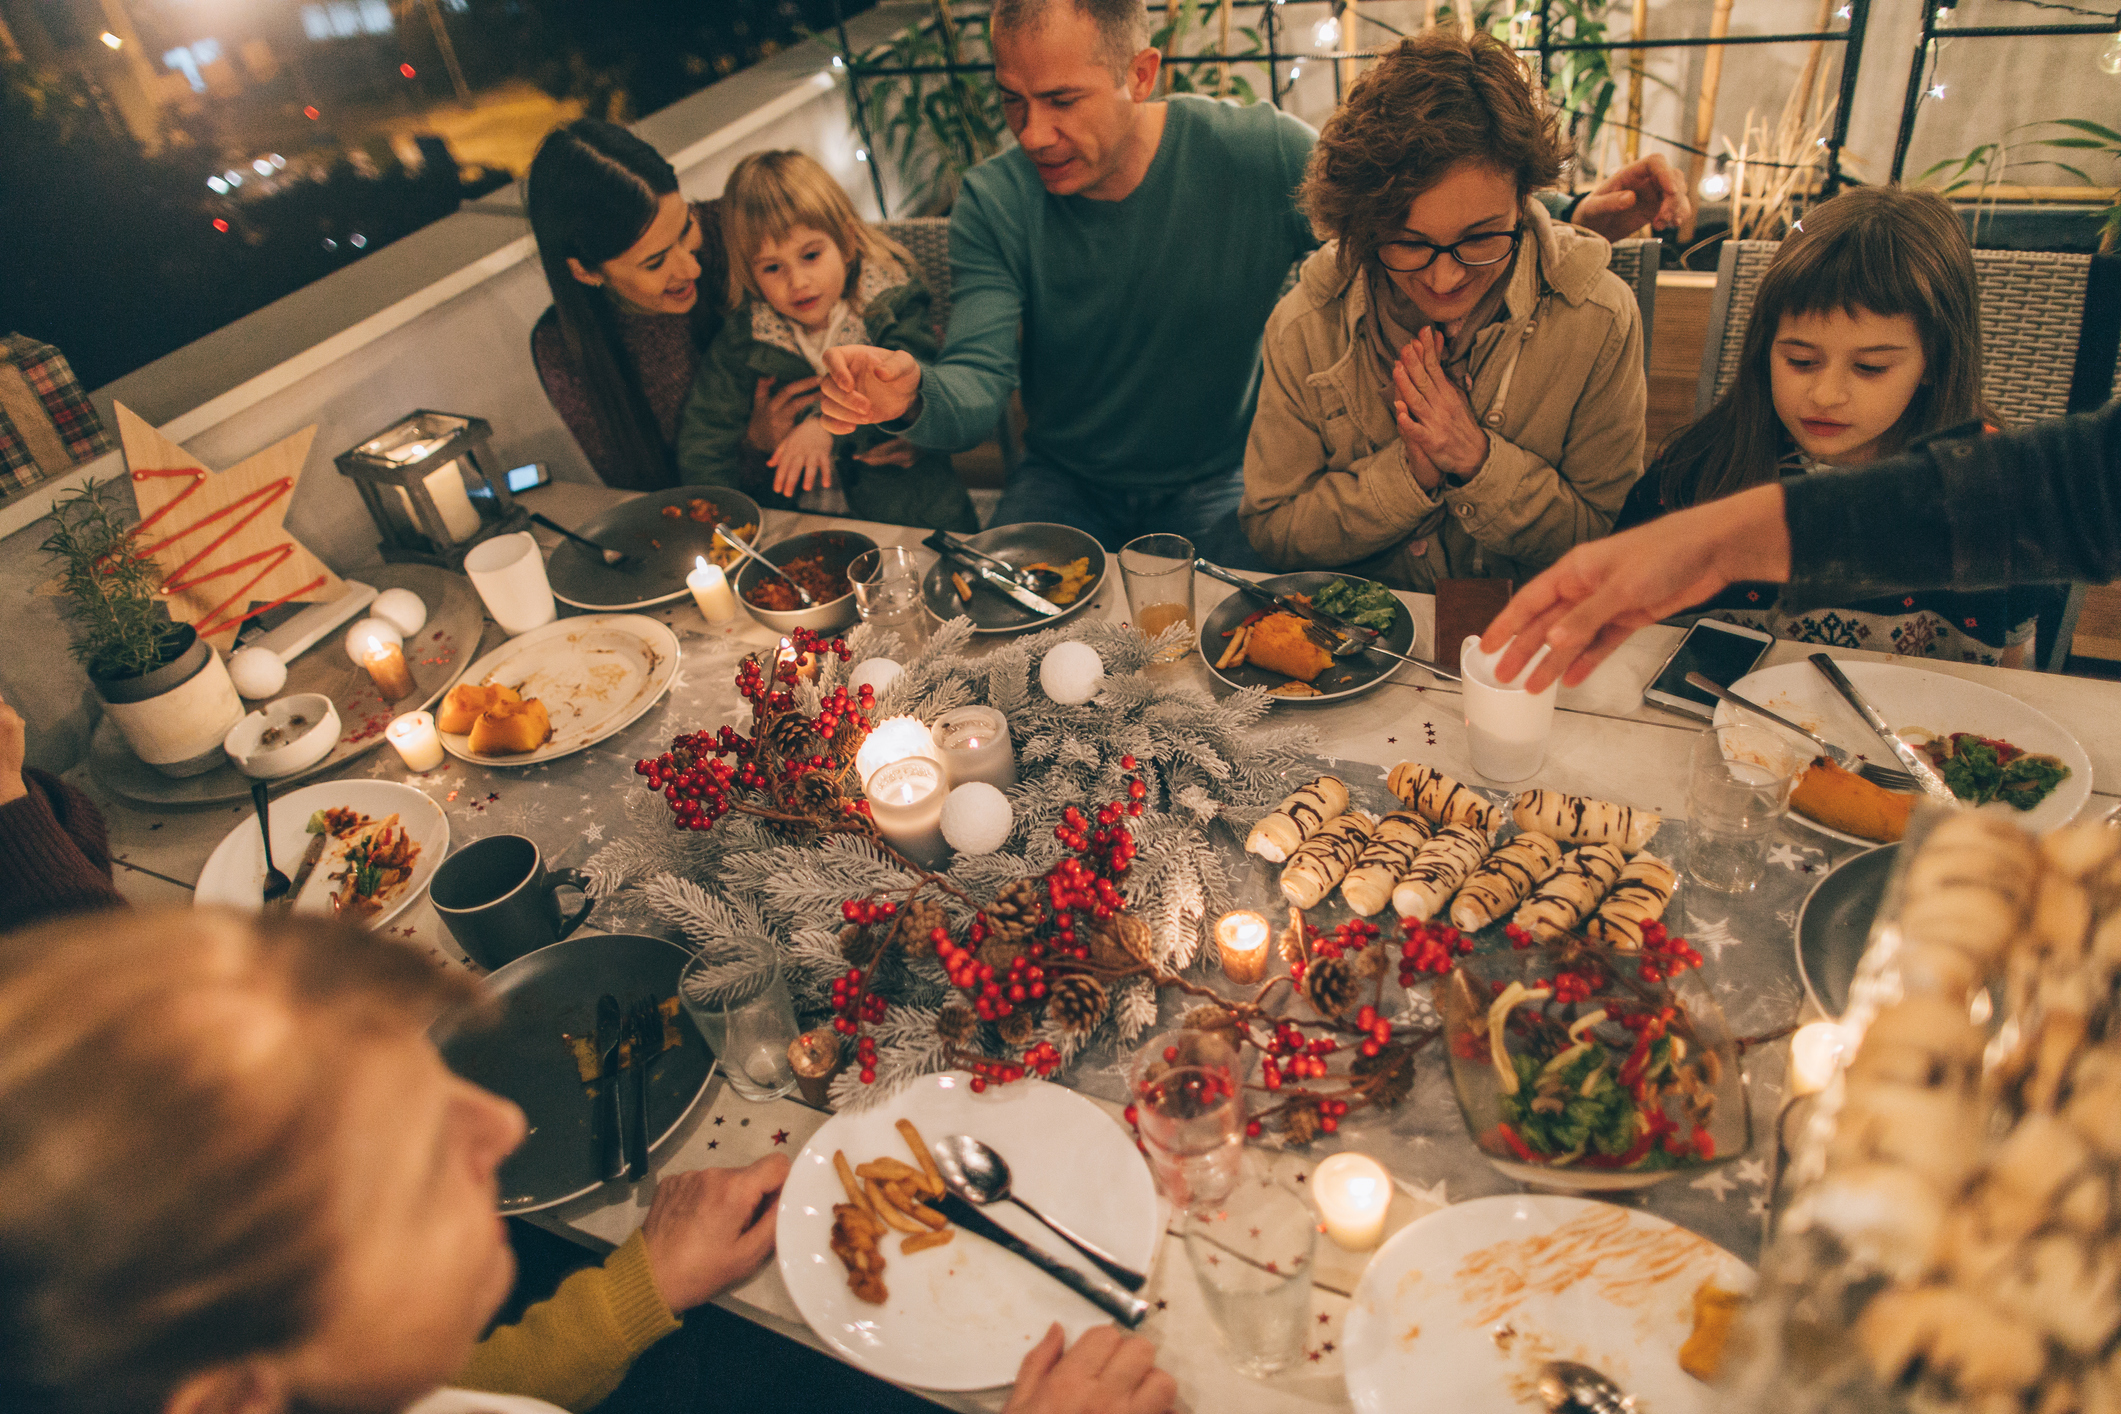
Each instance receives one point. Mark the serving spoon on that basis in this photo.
(614, 558)
(801, 593)
(974, 1172)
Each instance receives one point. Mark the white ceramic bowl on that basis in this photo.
(299, 746)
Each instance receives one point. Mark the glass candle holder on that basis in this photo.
(382, 653)
(417, 742)
(975, 746)
(906, 802)
(1241, 941)
(1352, 1192)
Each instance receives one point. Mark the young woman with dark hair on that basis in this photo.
(626, 258)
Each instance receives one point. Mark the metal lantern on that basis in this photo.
(433, 488)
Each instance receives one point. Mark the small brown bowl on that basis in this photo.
(838, 546)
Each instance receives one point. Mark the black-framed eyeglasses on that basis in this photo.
(1487, 248)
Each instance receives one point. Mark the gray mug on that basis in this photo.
(500, 902)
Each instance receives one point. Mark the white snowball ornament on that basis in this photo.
(1071, 673)
(976, 818)
(402, 609)
(877, 673)
(257, 672)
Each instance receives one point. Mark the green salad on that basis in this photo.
(1980, 769)
(1359, 601)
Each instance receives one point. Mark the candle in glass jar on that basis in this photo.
(416, 740)
(385, 662)
(1353, 1192)
(906, 802)
(710, 590)
(893, 739)
(1815, 1051)
(976, 747)
(1241, 938)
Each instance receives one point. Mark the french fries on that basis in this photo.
(927, 1240)
(885, 1195)
(919, 1146)
(1234, 655)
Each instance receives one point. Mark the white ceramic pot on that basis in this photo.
(176, 717)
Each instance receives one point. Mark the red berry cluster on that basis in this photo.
(993, 996)
(1290, 1053)
(1572, 987)
(1351, 936)
(865, 1058)
(1380, 1031)
(866, 911)
(1518, 937)
(1329, 1115)
(1044, 1058)
(1428, 949)
(853, 1004)
(990, 1072)
(1664, 956)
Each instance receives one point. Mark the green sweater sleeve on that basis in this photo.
(717, 414)
(573, 1349)
(963, 392)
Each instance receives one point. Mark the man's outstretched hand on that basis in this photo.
(1646, 192)
(864, 385)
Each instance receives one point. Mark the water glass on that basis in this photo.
(1506, 727)
(887, 592)
(1252, 1254)
(1190, 1111)
(509, 573)
(1158, 570)
(1738, 790)
(747, 1022)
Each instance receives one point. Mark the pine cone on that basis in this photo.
(1330, 985)
(859, 945)
(1209, 1018)
(1396, 1064)
(815, 794)
(847, 740)
(1000, 956)
(1121, 941)
(956, 1024)
(1370, 962)
(792, 734)
(1077, 1003)
(1016, 912)
(917, 922)
(1017, 1028)
(1299, 1123)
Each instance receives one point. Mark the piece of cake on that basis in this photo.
(511, 728)
(1280, 645)
(465, 702)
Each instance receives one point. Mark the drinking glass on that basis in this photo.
(1252, 1254)
(1738, 790)
(887, 592)
(1506, 727)
(1158, 570)
(1190, 1111)
(746, 1021)
(509, 573)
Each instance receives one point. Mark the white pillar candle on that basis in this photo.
(710, 590)
(894, 739)
(445, 487)
(906, 801)
(385, 660)
(1815, 1052)
(416, 740)
(976, 746)
(1353, 1192)
(1241, 939)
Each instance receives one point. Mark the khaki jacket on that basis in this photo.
(1557, 382)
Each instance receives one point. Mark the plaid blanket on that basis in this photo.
(47, 424)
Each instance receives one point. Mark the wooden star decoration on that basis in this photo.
(219, 538)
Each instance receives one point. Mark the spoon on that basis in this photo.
(277, 885)
(1038, 581)
(1566, 1385)
(800, 592)
(972, 1170)
(611, 557)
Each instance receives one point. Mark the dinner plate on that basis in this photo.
(1466, 1304)
(1030, 543)
(961, 1316)
(663, 548)
(1911, 700)
(1834, 925)
(234, 875)
(523, 1055)
(1345, 678)
(595, 674)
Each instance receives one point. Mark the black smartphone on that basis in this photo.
(1720, 652)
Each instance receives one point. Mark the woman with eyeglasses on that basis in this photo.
(1454, 389)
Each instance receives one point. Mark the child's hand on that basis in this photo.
(1435, 420)
(867, 385)
(773, 414)
(803, 460)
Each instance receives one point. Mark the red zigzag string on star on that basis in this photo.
(175, 581)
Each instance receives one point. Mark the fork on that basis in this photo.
(1884, 777)
(277, 885)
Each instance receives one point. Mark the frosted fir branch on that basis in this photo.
(1067, 1042)
(898, 1062)
(1134, 1010)
(717, 929)
(1128, 694)
(1195, 801)
(1074, 751)
(1008, 680)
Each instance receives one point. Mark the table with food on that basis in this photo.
(1234, 961)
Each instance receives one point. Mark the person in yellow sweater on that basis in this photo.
(240, 1180)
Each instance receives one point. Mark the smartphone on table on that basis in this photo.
(1720, 652)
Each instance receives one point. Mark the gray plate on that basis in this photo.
(1834, 925)
(1030, 543)
(663, 548)
(438, 653)
(522, 1056)
(1348, 677)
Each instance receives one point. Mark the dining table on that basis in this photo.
(1606, 743)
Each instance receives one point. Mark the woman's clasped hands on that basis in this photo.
(1442, 436)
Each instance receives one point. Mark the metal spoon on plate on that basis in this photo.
(972, 1170)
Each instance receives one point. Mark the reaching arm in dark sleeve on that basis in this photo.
(54, 855)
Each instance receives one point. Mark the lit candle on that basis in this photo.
(417, 741)
(893, 739)
(445, 487)
(976, 747)
(385, 662)
(805, 667)
(1815, 1053)
(1242, 939)
(906, 801)
(710, 590)
(1353, 1192)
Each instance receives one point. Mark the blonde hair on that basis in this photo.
(772, 193)
(171, 1088)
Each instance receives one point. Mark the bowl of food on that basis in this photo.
(818, 561)
(283, 737)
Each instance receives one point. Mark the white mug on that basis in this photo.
(509, 573)
(1506, 727)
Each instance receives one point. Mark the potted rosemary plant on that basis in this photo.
(162, 686)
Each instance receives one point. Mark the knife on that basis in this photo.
(1331, 623)
(637, 1057)
(1129, 1310)
(1000, 584)
(1917, 764)
(319, 836)
(604, 1106)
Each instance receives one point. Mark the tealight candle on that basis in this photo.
(1353, 1192)
(1241, 938)
(893, 739)
(416, 740)
(710, 590)
(806, 666)
(1815, 1052)
(385, 661)
(445, 487)
(976, 747)
(906, 801)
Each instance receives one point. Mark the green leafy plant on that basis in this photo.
(933, 128)
(1986, 166)
(1213, 21)
(119, 629)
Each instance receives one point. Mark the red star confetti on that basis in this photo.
(780, 1136)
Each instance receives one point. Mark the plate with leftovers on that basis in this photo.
(959, 1312)
(664, 532)
(369, 846)
(1467, 1304)
(558, 689)
(1834, 925)
(1076, 557)
(1246, 643)
(1996, 753)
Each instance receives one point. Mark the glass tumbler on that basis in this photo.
(1190, 1111)
(887, 592)
(1158, 570)
(1252, 1254)
(746, 1021)
(1738, 790)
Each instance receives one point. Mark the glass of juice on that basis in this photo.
(1158, 570)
